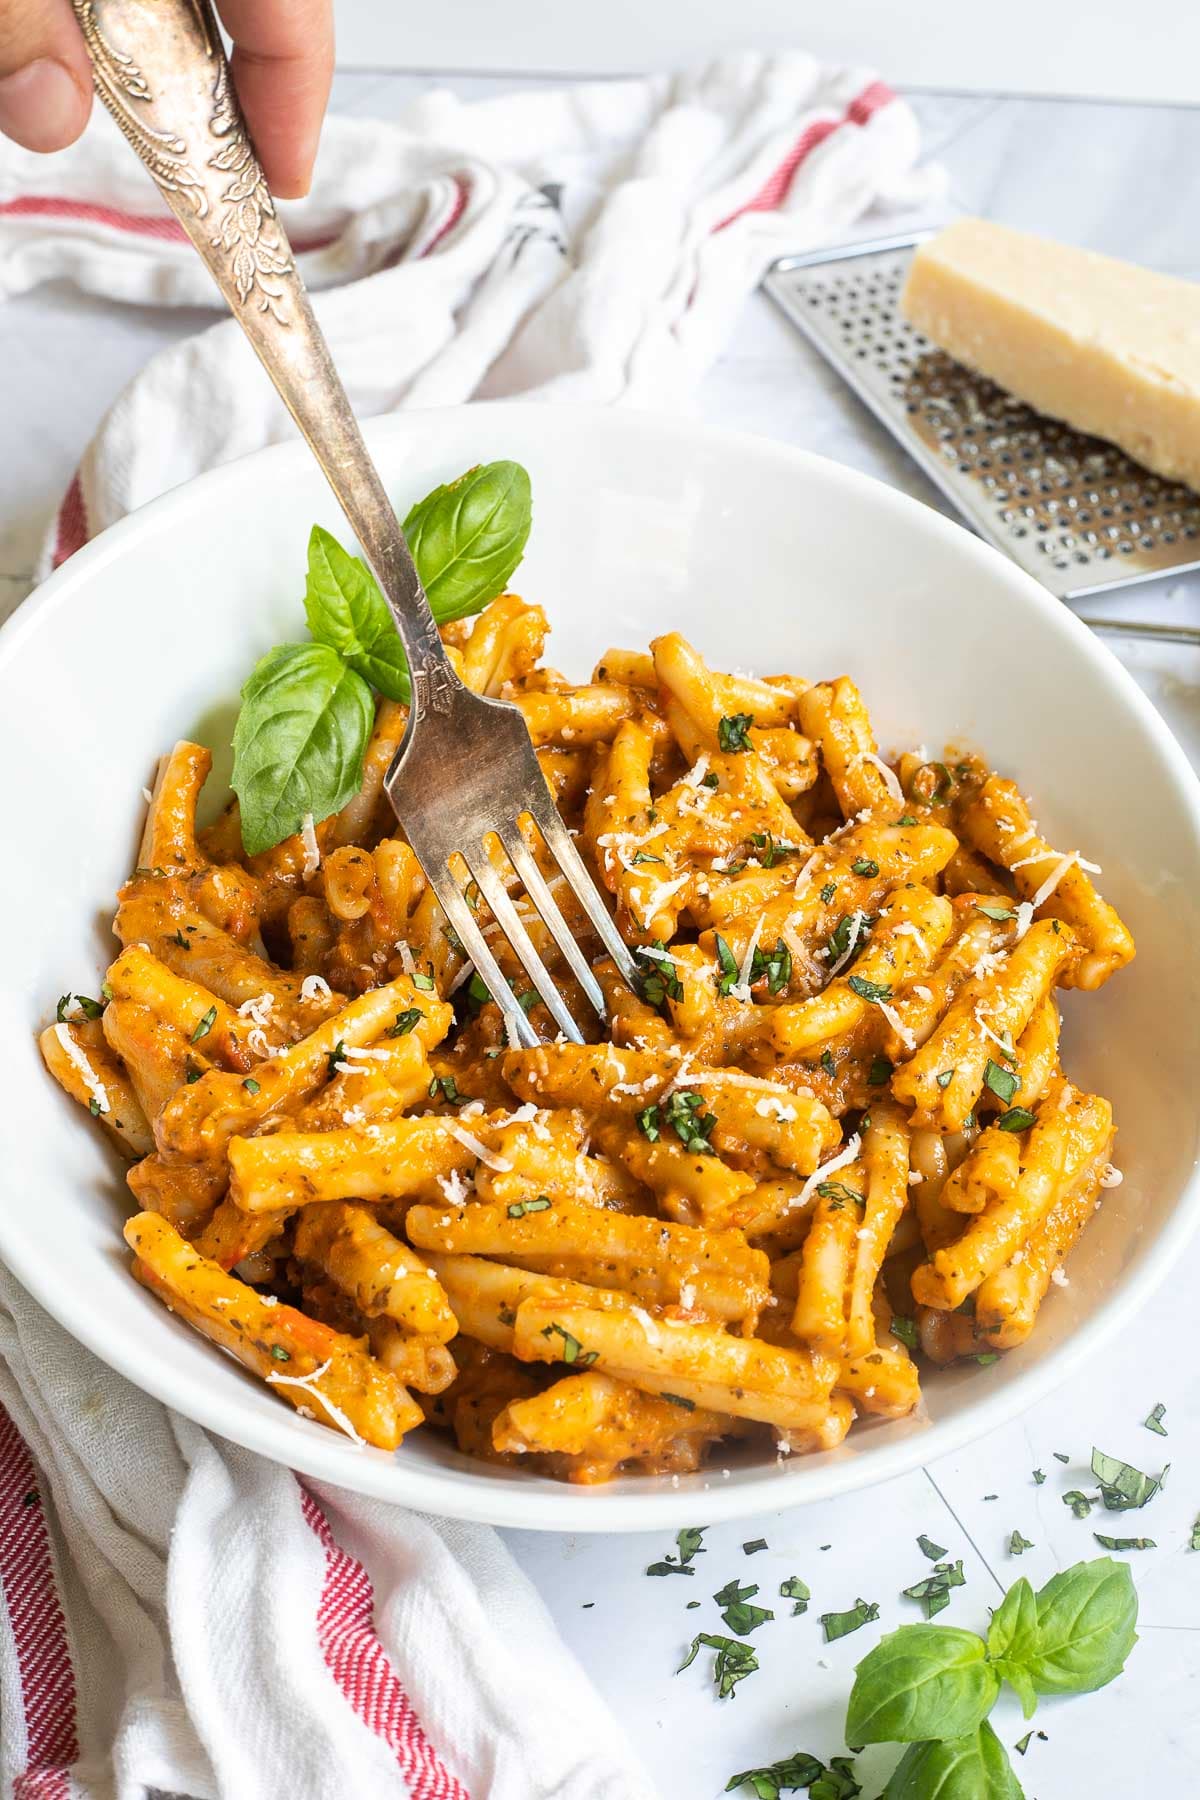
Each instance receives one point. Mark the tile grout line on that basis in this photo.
(975, 1547)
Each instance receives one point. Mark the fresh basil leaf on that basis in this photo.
(733, 1662)
(1086, 1617)
(1012, 1638)
(974, 1767)
(299, 741)
(468, 536)
(345, 609)
(923, 1681)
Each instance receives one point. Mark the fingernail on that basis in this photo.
(42, 106)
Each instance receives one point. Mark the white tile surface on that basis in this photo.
(1106, 175)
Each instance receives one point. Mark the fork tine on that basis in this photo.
(558, 841)
(524, 862)
(450, 898)
(509, 921)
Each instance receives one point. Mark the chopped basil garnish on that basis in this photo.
(679, 1400)
(999, 913)
(738, 1614)
(753, 1545)
(869, 990)
(1122, 1487)
(934, 1591)
(205, 1025)
(800, 1770)
(1039, 1475)
(424, 982)
(906, 1331)
(775, 964)
(409, 1020)
(796, 1590)
(827, 892)
(572, 1350)
(945, 1078)
(1017, 1118)
(729, 966)
(827, 1062)
(734, 1661)
(519, 1208)
(841, 1624)
(251, 1086)
(733, 732)
(1004, 1084)
(1018, 1544)
(1112, 1543)
(1078, 1502)
(1154, 1421)
(838, 1195)
(879, 1072)
(649, 1123)
(335, 1057)
(934, 1552)
(866, 867)
(710, 781)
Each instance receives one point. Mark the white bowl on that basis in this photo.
(767, 558)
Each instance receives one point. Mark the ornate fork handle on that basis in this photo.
(160, 69)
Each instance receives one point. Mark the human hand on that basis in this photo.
(282, 65)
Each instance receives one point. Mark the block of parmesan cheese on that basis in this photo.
(1111, 348)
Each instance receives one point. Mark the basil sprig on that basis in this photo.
(932, 1686)
(307, 709)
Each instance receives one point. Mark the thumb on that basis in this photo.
(45, 74)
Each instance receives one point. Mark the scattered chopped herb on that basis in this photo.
(738, 1613)
(650, 1123)
(934, 1552)
(181, 941)
(1112, 1543)
(687, 1542)
(753, 1545)
(572, 1350)
(679, 1400)
(1194, 1540)
(991, 1496)
(1122, 1487)
(968, 1123)
(795, 1589)
(1022, 1744)
(692, 1125)
(1039, 1475)
(507, 1316)
(879, 1072)
(999, 913)
(643, 856)
(1017, 1118)
(710, 781)
(827, 892)
(409, 1020)
(528, 1000)
(251, 1086)
(841, 1624)
(205, 1025)
(800, 1770)
(192, 1073)
(1078, 1502)
(424, 982)
(945, 1078)
(691, 1605)
(335, 1057)
(827, 1062)
(848, 933)
(865, 867)
(478, 990)
(905, 1330)
(734, 1661)
(1060, 1456)
(773, 849)
(94, 1108)
(588, 1603)
(775, 964)
(669, 1567)
(1154, 1422)
(60, 1011)
(838, 1195)
(280, 1354)
(519, 1208)
(1004, 1084)
(733, 732)
(1018, 1544)
(906, 819)
(447, 1087)
(934, 1591)
(729, 966)
(659, 982)
(869, 990)
(985, 1359)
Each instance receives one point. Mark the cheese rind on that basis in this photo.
(1112, 349)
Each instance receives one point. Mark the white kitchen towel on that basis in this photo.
(180, 1615)
(593, 243)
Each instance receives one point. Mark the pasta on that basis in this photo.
(830, 1136)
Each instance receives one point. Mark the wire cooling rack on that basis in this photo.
(1072, 510)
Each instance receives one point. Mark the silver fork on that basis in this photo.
(466, 771)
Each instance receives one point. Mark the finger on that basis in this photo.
(45, 74)
(282, 68)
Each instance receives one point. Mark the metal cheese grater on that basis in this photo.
(1073, 511)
